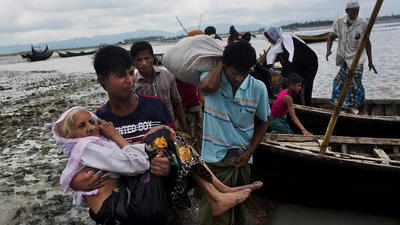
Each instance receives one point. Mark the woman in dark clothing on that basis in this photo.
(295, 57)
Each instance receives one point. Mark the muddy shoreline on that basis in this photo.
(31, 162)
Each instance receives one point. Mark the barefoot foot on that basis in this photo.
(256, 185)
(227, 201)
(253, 186)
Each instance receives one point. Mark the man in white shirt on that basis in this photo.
(349, 30)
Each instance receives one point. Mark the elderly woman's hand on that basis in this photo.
(107, 129)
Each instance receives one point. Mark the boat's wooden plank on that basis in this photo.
(382, 154)
(338, 155)
(388, 110)
(344, 148)
(366, 102)
(377, 113)
(334, 139)
(307, 144)
(396, 149)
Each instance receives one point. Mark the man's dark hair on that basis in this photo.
(210, 30)
(240, 55)
(141, 46)
(232, 30)
(111, 59)
(294, 78)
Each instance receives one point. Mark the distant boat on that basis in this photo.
(314, 38)
(158, 59)
(72, 54)
(36, 55)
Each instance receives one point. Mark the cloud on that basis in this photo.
(27, 21)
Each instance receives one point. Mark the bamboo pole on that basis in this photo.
(350, 77)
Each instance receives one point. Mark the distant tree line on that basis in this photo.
(316, 23)
(149, 38)
(393, 16)
(319, 23)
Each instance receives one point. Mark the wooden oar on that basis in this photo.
(350, 77)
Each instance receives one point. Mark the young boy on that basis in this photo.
(283, 105)
(157, 81)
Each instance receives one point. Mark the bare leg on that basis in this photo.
(226, 189)
(221, 202)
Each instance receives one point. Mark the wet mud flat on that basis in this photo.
(30, 161)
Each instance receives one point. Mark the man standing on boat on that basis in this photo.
(236, 112)
(349, 30)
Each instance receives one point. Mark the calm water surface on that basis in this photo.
(386, 56)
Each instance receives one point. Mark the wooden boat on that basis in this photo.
(373, 107)
(158, 59)
(73, 54)
(36, 55)
(383, 121)
(39, 56)
(356, 172)
(314, 38)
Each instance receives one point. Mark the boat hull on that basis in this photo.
(39, 56)
(73, 54)
(314, 38)
(316, 121)
(299, 175)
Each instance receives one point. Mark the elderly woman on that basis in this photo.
(295, 57)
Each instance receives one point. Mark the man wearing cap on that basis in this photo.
(349, 30)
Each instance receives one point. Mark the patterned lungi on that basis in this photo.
(355, 95)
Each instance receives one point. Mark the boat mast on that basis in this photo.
(183, 27)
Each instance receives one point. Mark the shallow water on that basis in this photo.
(386, 54)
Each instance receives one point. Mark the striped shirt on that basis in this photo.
(163, 87)
(229, 120)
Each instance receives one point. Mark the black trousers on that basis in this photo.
(304, 98)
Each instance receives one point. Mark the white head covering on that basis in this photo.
(351, 4)
(73, 149)
(280, 39)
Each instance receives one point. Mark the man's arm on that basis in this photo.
(177, 105)
(259, 131)
(210, 83)
(368, 48)
(261, 123)
(181, 116)
(88, 179)
(329, 42)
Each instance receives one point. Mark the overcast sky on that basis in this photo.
(26, 21)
